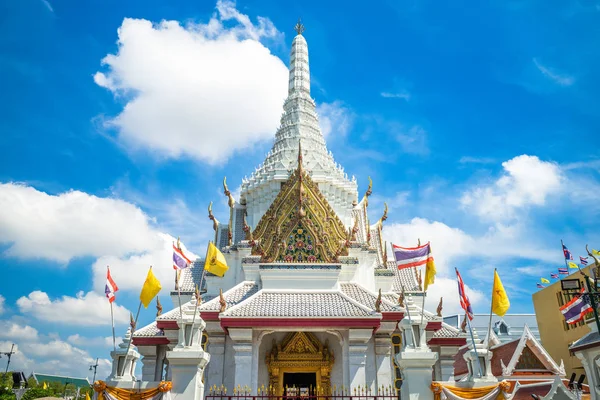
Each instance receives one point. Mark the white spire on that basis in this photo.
(298, 122)
(299, 70)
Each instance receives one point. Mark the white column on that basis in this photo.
(242, 348)
(357, 356)
(148, 362)
(124, 358)
(214, 371)
(187, 360)
(383, 362)
(416, 359)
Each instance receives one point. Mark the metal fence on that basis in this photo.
(303, 393)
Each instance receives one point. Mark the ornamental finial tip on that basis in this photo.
(299, 28)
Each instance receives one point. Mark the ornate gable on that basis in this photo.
(300, 225)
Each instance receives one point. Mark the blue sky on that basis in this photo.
(477, 123)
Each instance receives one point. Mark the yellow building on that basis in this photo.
(555, 334)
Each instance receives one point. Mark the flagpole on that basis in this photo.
(112, 320)
(199, 288)
(112, 317)
(489, 332)
(137, 314)
(178, 276)
(424, 291)
(471, 331)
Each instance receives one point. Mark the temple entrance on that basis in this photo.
(299, 384)
(299, 362)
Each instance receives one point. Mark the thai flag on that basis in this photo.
(563, 271)
(567, 253)
(583, 260)
(407, 257)
(464, 299)
(111, 287)
(540, 286)
(553, 275)
(576, 309)
(180, 261)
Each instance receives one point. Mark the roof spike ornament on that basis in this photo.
(368, 192)
(299, 27)
(385, 212)
(378, 302)
(159, 308)
(440, 307)
(222, 301)
(231, 203)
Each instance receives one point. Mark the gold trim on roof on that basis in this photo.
(300, 225)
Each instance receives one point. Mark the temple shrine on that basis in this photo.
(311, 303)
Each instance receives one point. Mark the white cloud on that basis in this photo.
(335, 118)
(412, 139)
(48, 5)
(99, 341)
(68, 225)
(399, 95)
(86, 309)
(527, 181)
(448, 289)
(130, 272)
(13, 330)
(203, 90)
(560, 79)
(2, 301)
(476, 160)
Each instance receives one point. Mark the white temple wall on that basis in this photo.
(365, 273)
(229, 365)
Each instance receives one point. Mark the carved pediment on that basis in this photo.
(300, 225)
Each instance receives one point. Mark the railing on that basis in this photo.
(303, 393)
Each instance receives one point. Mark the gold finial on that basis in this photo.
(222, 301)
(158, 307)
(378, 302)
(419, 278)
(385, 211)
(197, 295)
(247, 230)
(439, 307)
(178, 243)
(299, 27)
(212, 217)
(463, 326)
(370, 188)
(401, 300)
(231, 201)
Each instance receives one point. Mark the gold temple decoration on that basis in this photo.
(222, 301)
(213, 219)
(368, 192)
(401, 300)
(300, 225)
(247, 230)
(378, 302)
(300, 352)
(231, 203)
(463, 326)
(385, 212)
(439, 307)
(158, 307)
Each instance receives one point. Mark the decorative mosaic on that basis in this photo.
(300, 266)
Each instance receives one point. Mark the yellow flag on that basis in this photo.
(87, 396)
(544, 280)
(429, 272)
(150, 289)
(573, 265)
(595, 252)
(215, 261)
(45, 386)
(500, 302)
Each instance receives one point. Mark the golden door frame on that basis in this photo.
(300, 352)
